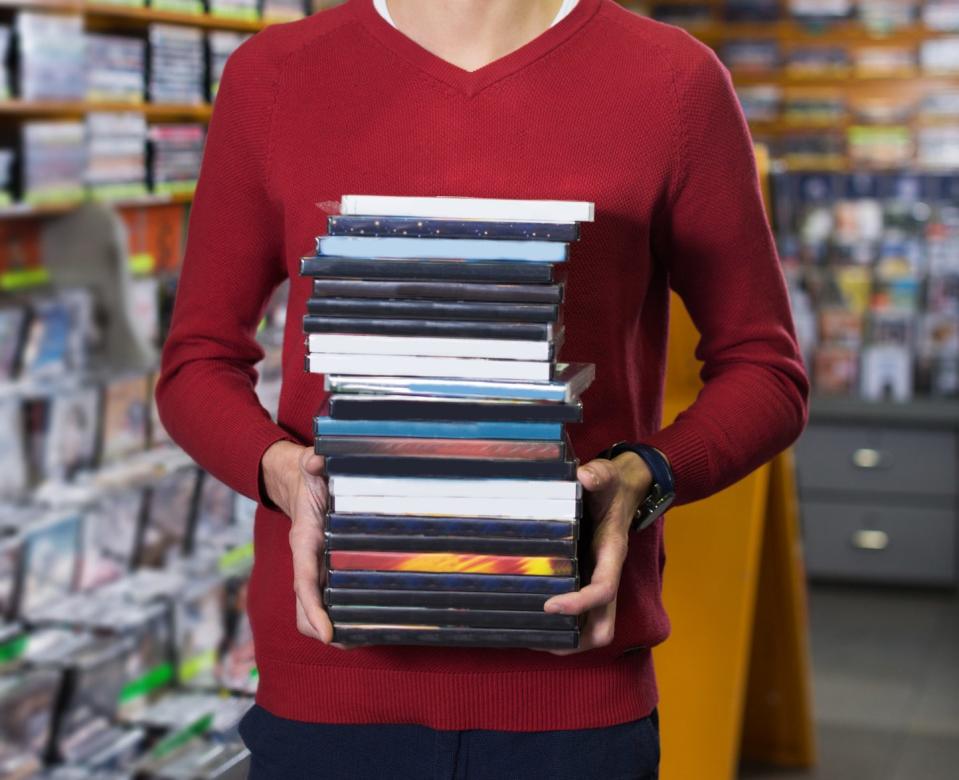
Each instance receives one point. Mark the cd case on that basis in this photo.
(437, 227)
(373, 634)
(428, 270)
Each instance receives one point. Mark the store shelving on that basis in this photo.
(135, 15)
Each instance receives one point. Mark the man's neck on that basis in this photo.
(472, 33)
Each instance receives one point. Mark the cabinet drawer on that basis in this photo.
(879, 543)
(877, 460)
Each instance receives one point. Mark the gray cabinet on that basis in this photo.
(878, 492)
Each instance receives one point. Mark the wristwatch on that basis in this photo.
(662, 492)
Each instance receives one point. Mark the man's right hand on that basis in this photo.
(295, 480)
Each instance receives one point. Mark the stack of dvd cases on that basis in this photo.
(51, 54)
(455, 510)
(177, 64)
(115, 68)
(175, 155)
(116, 159)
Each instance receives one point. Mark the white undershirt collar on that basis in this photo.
(564, 9)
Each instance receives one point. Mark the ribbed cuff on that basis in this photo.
(688, 458)
(250, 473)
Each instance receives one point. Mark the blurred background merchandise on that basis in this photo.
(124, 646)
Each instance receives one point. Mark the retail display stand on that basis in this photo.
(734, 676)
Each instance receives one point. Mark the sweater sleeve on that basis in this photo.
(715, 240)
(232, 264)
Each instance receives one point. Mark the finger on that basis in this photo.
(597, 474)
(306, 543)
(600, 627)
(303, 624)
(610, 553)
(598, 630)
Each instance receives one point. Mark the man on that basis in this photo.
(484, 98)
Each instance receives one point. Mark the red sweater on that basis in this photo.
(605, 106)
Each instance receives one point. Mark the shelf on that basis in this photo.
(77, 109)
(28, 211)
(839, 34)
(931, 412)
(135, 15)
(912, 81)
(841, 125)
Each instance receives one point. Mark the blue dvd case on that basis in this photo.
(442, 248)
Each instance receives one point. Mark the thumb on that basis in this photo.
(596, 475)
(312, 464)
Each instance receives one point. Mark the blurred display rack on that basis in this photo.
(136, 15)
(66, 110)
(27, 211)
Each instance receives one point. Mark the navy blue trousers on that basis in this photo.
(290, 750)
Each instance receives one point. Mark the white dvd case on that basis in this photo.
(403, 365)
(406, 487)
(468, 208)
(416, 346)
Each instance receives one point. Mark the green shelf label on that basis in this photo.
(142, 263)
(20, 280)
(238, 557)
(12, 649)
(192, 667)
(155, 678)
(179, 738)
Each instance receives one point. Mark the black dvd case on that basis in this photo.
(500, 449)
(440, 599)
(370, 634)
(454, 544)
(467, 618)
(517, 331)
(454, 468)
(385, 289)
(497, 311)
(360, 407)
(408, 580)
(498, 271)
(452, 526)
(418, 227)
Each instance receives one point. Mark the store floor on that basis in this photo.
(886, 686)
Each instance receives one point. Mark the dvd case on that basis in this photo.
(403, 289)
(408, 407)
(467, 208)
(407, 447)
(441, 563)
(453, 329)
(428, 270)
(439, 599)
(326, 426)
(496, 311)
(453, 468)
(465, 249)
(404, 365)
(373, 634)
(451, 526)
(364, 344)
(456, 506)
(467, 618)
(438, 227)
(522, 490)
(570, 381)
(488, 545)
(472, 583)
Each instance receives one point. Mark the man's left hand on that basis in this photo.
(614, 489)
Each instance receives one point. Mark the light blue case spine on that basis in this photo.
(326, 426)
(441, 248)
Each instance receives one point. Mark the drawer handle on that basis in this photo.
(868, 458)
(870, 540)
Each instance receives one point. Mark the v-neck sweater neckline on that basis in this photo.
(473, 82)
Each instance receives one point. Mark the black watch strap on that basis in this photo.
(662, 492)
